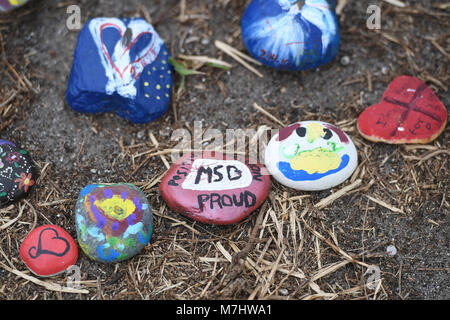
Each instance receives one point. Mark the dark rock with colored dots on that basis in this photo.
(114, 221)
(17, 172)
(121, 66)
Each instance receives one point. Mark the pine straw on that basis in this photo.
(292, 247)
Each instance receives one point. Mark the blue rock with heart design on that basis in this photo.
(121, 66)
(283, 34)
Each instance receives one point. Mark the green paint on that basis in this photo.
(289, 156)
(129, 242)
(113, 241)
(2, 194)
(333, 147)
(23, 152)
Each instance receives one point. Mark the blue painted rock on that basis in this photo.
(17, 172)
(311, 156)
(121, 66)
(213, 189)
(282, 35)
(48, 250)
(114, 221)
(7, 5)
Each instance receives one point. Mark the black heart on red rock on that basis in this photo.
(49, 238)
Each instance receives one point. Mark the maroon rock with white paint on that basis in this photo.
(214, 188)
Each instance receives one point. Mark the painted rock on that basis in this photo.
(49, 250)
(121, 66)
(210, 188)
(410, 112)
(7, 5)
(17, 172)
(311, 156)
(282, 35)
(114, 221)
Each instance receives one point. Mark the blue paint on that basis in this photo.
(280, 35)
(86, 190)
(108, 193)
(96, 82)
(146, 239)
(302, 175)
(110, 257)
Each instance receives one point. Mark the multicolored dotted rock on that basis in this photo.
(311, 156)
(17, 172)
(114, 221)
(7, 5)
(120, 65)
(48, 250)
(410, 112)
(213, 189)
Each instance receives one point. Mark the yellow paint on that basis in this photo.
(319, 160)
(314, 131)
(168, 86)
(158, 98)
(158, 87)
(147, 95)
(17, 2)
(116, 208)
(146, 84)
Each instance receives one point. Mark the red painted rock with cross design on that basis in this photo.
(410, 112)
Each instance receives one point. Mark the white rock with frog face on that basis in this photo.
(311, 156)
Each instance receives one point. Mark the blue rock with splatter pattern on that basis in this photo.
(121, 66)
(114, 222)
(283, 35)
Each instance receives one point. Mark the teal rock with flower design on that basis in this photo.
(114, 222)
(17, 172)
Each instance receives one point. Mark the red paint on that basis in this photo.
(410, 112)
(285, 133)
(187, 201)
(48, 250)
(342, 136)
(105, 25)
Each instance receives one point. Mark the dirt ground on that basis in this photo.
(289, 248)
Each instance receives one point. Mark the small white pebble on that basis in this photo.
(283, 291)
(391, 250)
(345, 60)
(140, 134)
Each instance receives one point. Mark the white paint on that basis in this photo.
(124, 84)
(401, 129)
(225, 183)
(410, 90)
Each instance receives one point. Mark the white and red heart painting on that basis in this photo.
(121, 68)
(409, 112)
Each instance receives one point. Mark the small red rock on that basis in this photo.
(215, 189)
(48, 250)
(410, 112)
